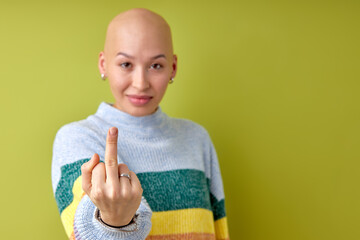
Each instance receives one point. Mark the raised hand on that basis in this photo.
(116, 197)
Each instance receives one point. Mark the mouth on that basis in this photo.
(139, 100)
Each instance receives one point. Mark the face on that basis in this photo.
(138, 63)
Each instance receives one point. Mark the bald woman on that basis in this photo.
(129, 171)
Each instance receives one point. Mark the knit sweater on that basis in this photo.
(176, 164)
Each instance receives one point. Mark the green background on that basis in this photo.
(276, 84)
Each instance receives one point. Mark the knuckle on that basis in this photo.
(96, 170)
(111, 140)
(113, 194)
(132, 174)
(97, 194)
(126, 195)
(100, 165)
(123, 168)
(84, 187)
(111, 162)
(138, 191)
(84, 167)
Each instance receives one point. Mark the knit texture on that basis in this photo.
(175, 161)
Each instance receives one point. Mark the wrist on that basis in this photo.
(113, 223)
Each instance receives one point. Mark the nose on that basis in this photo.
(139, 80)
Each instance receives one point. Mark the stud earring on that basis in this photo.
(171, 80)
(103, 76)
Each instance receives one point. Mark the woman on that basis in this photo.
(174, 189)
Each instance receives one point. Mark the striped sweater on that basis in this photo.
(175, 161)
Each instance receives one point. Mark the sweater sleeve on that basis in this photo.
(74, 145)
(217, 198)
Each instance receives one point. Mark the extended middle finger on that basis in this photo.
(111, 163)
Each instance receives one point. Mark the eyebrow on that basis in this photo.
(129, 56)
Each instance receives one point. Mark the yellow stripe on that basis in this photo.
(221, 228)
(182, 221)
(67, 216)
(188, 236)
(194, 220)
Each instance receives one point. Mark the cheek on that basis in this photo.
(117, 79)
(161, 86)
(117, 87)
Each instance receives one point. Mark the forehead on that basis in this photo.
(139, 38)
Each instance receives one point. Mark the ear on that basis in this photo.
(174, 66)
(101, 63)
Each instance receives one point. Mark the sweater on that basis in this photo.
(175, 161)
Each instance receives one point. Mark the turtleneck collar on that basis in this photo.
(153, 124)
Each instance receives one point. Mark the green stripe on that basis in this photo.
(177, 189)
(69, 173)
(164, 191)
(218, 207)
(180, 189)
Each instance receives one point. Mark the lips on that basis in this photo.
(139, 100)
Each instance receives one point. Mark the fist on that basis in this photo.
(117, 197)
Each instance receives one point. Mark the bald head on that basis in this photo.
(138, 60)
(139, 29)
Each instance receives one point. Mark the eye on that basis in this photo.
(156, 66)
(125, 65)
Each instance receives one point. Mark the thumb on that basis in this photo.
(86, 172)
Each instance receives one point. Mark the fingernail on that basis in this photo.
(113, 131)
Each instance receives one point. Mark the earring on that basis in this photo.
(171, 80)
(103, 76)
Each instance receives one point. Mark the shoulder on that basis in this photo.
(78, 129)
(80, 137)
(76, 140)
(74, 144)
(187, 124)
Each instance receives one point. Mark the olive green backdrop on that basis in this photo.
(276, 84)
